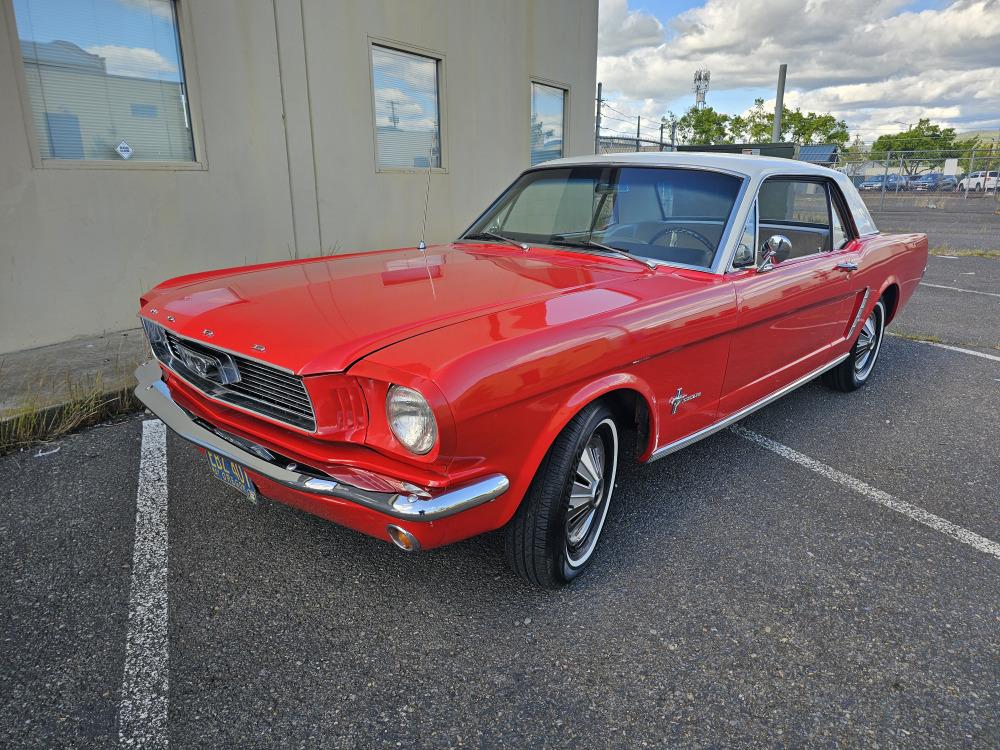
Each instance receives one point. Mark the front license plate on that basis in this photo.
(232, 474)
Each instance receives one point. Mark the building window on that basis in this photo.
(105, 79)
(548, 118)
(407, 109)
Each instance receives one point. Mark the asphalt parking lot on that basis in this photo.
(747, 593)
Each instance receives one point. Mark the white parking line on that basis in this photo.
(957, 289)
(142, 716)
(919, 515)
(949, 347)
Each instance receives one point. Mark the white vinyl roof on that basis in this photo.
(750, 165)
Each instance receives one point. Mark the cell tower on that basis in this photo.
(701, 79)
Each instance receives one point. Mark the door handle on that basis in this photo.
(847, 265)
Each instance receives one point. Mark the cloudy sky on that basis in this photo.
(878, 64)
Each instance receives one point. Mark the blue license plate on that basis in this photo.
(232, 474)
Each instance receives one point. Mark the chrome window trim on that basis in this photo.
(724, 239)
(756, 238)
(755, 205)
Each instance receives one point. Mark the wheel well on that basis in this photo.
(891, 297)
(632, 414)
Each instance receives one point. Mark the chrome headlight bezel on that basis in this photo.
(411, 419)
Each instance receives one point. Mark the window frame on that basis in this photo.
(566, 89)
(185, 34)
(832, 195)
(838, 203)
(439, 58)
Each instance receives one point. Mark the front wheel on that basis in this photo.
(554, 532)
(854, 371)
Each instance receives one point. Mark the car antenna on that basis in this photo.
(422, 245)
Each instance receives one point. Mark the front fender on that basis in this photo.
(567, 405)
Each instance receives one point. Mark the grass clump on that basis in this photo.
(49, 409)
(965, 253)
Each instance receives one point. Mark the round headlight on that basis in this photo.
(411, 419)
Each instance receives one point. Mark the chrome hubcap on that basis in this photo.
(869, 340)
(593, 482)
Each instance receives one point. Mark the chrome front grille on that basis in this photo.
(261, 388)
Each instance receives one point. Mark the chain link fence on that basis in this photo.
(615, 144)
(914, 175)
(953, 197)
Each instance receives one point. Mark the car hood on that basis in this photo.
(322, 315)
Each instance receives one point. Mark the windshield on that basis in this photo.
(665, 214)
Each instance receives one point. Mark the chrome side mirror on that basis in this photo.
(777, 247)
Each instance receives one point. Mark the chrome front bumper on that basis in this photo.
(153, 392)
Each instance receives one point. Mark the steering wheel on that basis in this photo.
(682, 230)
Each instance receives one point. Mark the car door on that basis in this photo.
(791, 313)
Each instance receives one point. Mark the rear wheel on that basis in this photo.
(554, 532)
(854, 371)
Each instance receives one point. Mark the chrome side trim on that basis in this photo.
(694, 437)
(857, 315)
(153, 392)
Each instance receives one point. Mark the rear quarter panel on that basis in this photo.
(887, 260)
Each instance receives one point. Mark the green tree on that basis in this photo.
(924, 145)
(813, 128)
(753, 127)
(703, 126)
(757, 126)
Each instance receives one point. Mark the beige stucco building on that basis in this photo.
(277, 128)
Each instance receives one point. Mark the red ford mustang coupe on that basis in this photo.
(603, 309)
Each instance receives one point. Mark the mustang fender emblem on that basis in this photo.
(679, 398)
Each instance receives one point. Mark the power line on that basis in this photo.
(654, 124)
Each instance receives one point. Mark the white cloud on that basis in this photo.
(621, 30)
(135, 62)
(159, 8)
(871, 62)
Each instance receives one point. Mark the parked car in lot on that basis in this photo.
(934, 182)
(893, 182)
(602, 310)
(977, 181)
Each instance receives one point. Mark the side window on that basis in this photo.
(798, 209)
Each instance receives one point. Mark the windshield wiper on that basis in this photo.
(557, 240)
(495, 236)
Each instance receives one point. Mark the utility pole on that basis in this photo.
(638, 121)
(779, 104)
(663, 123)
(597, 130)
(673, 133)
